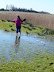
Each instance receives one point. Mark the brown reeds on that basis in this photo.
(45, 20)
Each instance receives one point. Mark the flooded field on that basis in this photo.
(27, 47)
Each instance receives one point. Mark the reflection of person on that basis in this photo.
(18, 25)
(17, 41)
(17, 45)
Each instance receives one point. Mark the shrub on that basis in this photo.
(30, 25)
(27, 32)
(8, 20)
(51, 31)
(30, 28)
(34, 28)
(3, 20)
(12, 29)
(25, 26)
(40, 27)
(7, 30)
(10, 25)
(48, 31)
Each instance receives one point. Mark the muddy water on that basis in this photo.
(27, 47)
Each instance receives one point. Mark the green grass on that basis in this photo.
(43, 63)
(31, 29)
(26, 27)
(6, 25)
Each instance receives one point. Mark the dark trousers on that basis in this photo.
(18, 29)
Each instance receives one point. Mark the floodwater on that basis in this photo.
(27, 47)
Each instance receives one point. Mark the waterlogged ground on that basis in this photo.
(27, 47)
(32, 53)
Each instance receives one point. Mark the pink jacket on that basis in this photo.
(17, 21)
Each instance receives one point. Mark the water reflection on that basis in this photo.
(17, 44)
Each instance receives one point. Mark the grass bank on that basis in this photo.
(26, 27)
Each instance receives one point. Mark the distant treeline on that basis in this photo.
(23, 10)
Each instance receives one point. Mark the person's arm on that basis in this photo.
(14, 20)
(23, 20)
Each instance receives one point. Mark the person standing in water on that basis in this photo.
(18, 25)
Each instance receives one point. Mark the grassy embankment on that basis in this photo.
(26, 27)
(43, 63)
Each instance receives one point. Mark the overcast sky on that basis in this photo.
(38, 5)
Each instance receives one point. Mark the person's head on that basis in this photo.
(18, 17)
